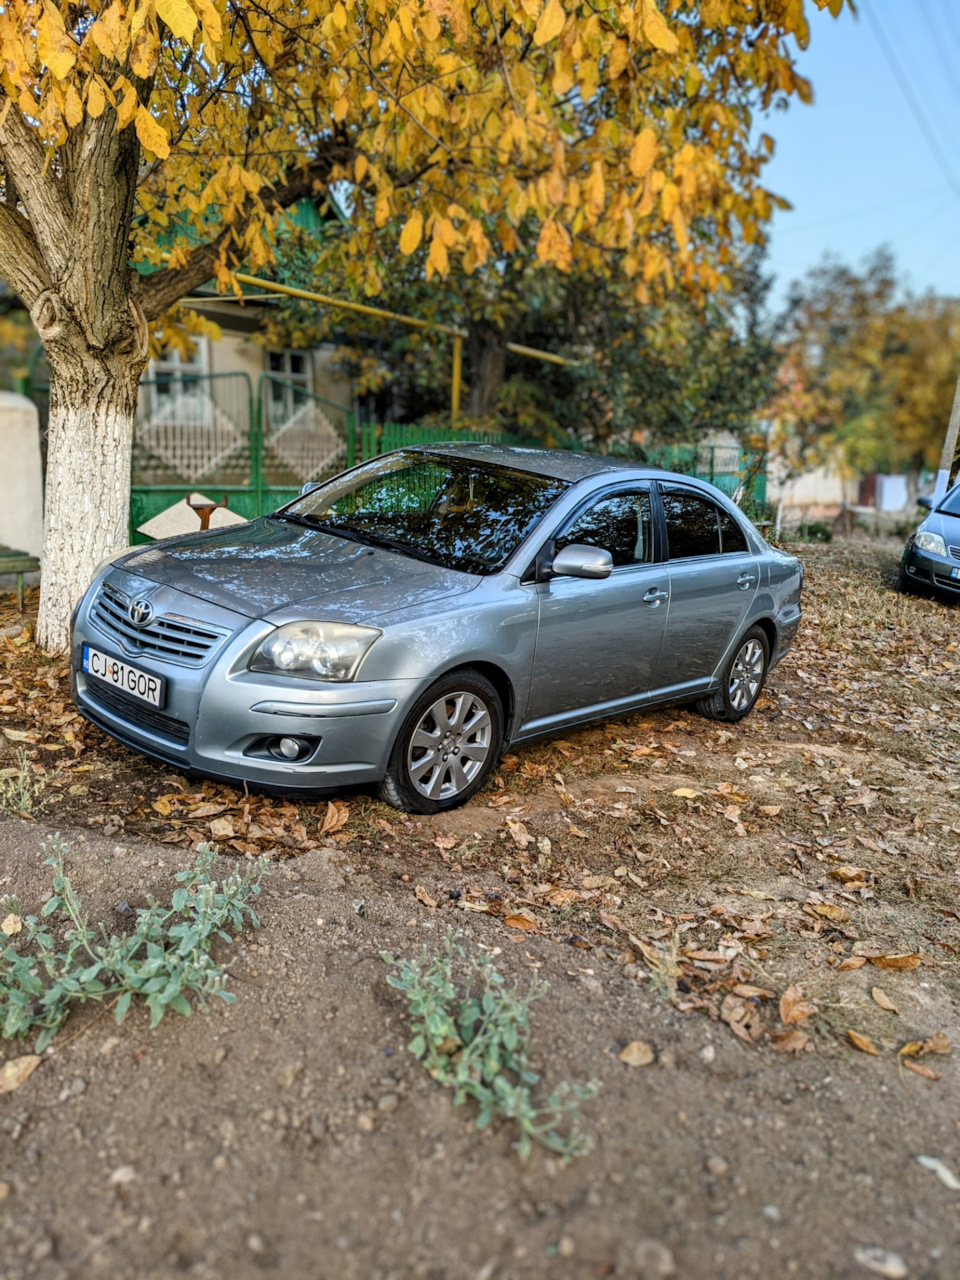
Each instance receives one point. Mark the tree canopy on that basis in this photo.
(869, 370)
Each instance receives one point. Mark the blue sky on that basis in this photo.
(857, 164)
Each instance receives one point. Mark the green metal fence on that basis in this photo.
(220, 435)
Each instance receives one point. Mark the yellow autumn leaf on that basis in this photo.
(656, 29)
(16, 1070)
(95, 100)
(179, 17)
(412, 234)
(72, 107)
(54, 47)
(643, 153)
(128, 102)
(551, 23)
(152, 135)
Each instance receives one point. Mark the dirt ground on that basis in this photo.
(740, 898)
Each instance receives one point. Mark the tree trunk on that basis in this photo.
(93, 400)
(488, 362)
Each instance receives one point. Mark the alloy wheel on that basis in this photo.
(746, 675)
(450, 745)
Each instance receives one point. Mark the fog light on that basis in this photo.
(911, 569)
(290, 748)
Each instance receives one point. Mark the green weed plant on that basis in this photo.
(164, 960)
(472, 1034)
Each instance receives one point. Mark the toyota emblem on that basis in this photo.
(140, 612)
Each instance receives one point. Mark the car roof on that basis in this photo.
(563, 464)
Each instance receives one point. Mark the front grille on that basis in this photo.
(955, 552)
(171, 637)
(138, 713)
(952, 583)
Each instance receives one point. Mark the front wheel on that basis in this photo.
(742, 681)
(448, 746)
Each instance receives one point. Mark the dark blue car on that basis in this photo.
(931, 558)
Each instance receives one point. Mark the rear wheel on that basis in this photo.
(742, 680)
(448, 746)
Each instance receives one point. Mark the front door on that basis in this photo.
(598, 642)
(713, 577)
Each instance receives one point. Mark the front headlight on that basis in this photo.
(316, 650)
(930, 542)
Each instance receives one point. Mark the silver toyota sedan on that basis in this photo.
(400, 625)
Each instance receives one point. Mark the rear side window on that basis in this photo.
(731, 535)
(693, 527)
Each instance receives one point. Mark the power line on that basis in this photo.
(938, 41)
(912, 102)
(862, 213)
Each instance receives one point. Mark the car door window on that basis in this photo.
(732, 537)
(693, 526)
(620, 523)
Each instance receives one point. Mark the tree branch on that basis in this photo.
(26, 161)
(159, 291)
(21, 262)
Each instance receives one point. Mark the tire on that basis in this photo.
(461, 712)
(904, 585)
(742, 680)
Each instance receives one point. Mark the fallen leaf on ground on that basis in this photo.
(771, 810)
(750, 992)
(794, 1007)
(937, 1043)
(920, 1069)
(445, 842)
(12, 924)
(18, 735)
(908, 961)
(575, 831)
(883, 1000)
(421, 895)
(637, 1054)
(520, 921)
(162, 806)
(827, 911)
(863, 1043)
(337, 816)
(946, 1176)
(221, 828)
(687, 793)
(794, 1041)
(852, 962)
(521, 835)
(16, 1070)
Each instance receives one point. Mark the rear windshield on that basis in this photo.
(451, 511)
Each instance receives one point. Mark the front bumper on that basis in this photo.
(932, 571)
(215, 713)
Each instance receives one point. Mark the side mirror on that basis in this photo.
(925, 502)
(309, 487)
(578, 561)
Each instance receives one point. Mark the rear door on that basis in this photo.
(713, 576)
(598, 641)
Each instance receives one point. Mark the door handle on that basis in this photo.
(745, 579)
(654, 596)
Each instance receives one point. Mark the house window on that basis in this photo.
(173, 376)
(289, 379)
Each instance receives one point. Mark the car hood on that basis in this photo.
(270, 566)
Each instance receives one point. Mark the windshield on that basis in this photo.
(950, 506)
(451, 511)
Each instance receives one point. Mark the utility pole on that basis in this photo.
(949, 449)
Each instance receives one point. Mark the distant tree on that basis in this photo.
(868, 370)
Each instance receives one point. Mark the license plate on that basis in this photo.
(955, 573)
(142, 685)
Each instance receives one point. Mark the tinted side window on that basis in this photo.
(692, 525)
(620, 524)
(731, 535)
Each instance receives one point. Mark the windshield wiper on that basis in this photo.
(294, 518)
